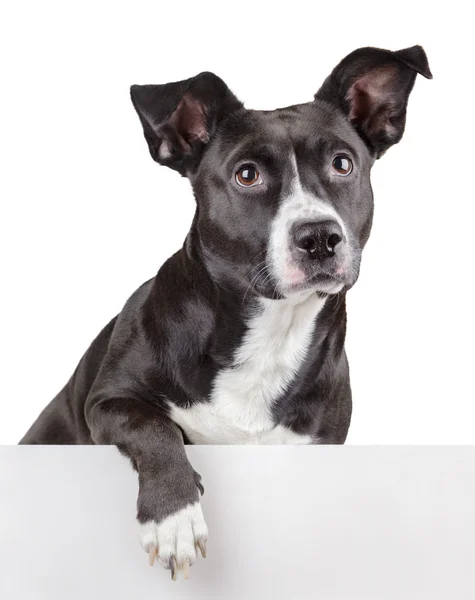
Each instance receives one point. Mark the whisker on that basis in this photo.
(256, 267)
(254, 279)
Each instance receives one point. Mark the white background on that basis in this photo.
(369, 523)
(87, 216)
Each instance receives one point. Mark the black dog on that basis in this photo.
(240, 336)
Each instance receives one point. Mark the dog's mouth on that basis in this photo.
(322, 284)
(323, 278)
(297, 280)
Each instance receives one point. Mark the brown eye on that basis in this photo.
(248, 176)
(342, 165)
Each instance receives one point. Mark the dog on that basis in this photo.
(239, 338)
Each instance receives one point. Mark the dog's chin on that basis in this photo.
(321, 290)
(321, 285)
(302, 291)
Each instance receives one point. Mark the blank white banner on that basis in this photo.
(334, 523)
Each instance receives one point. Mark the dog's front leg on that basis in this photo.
(169, 513)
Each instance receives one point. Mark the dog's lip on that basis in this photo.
(324, 277)
(327, 281)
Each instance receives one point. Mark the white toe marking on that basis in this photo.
(176, 535)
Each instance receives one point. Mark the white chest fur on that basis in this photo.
(239, 410)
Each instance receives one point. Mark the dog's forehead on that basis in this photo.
(301, 120)
(284, 131)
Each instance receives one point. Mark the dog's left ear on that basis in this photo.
(179, 118)
(372, 86)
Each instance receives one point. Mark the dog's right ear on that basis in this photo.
(179, 118)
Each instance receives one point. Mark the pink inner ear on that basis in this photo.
(185, 125)
(189, 119)
(371, 98)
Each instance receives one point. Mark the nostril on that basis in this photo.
(332, 242)
(308, 243)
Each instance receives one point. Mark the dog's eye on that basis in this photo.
(342, 165)
(248, 176)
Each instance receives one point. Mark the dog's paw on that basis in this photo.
(174, 541)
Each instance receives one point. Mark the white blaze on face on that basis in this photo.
(299, 205)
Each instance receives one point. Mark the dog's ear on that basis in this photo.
(372, 86)
(179, 118)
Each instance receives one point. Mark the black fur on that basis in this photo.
(181, 328)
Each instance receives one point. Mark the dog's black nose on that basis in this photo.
(318, 239)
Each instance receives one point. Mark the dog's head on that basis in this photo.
(284, 200)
